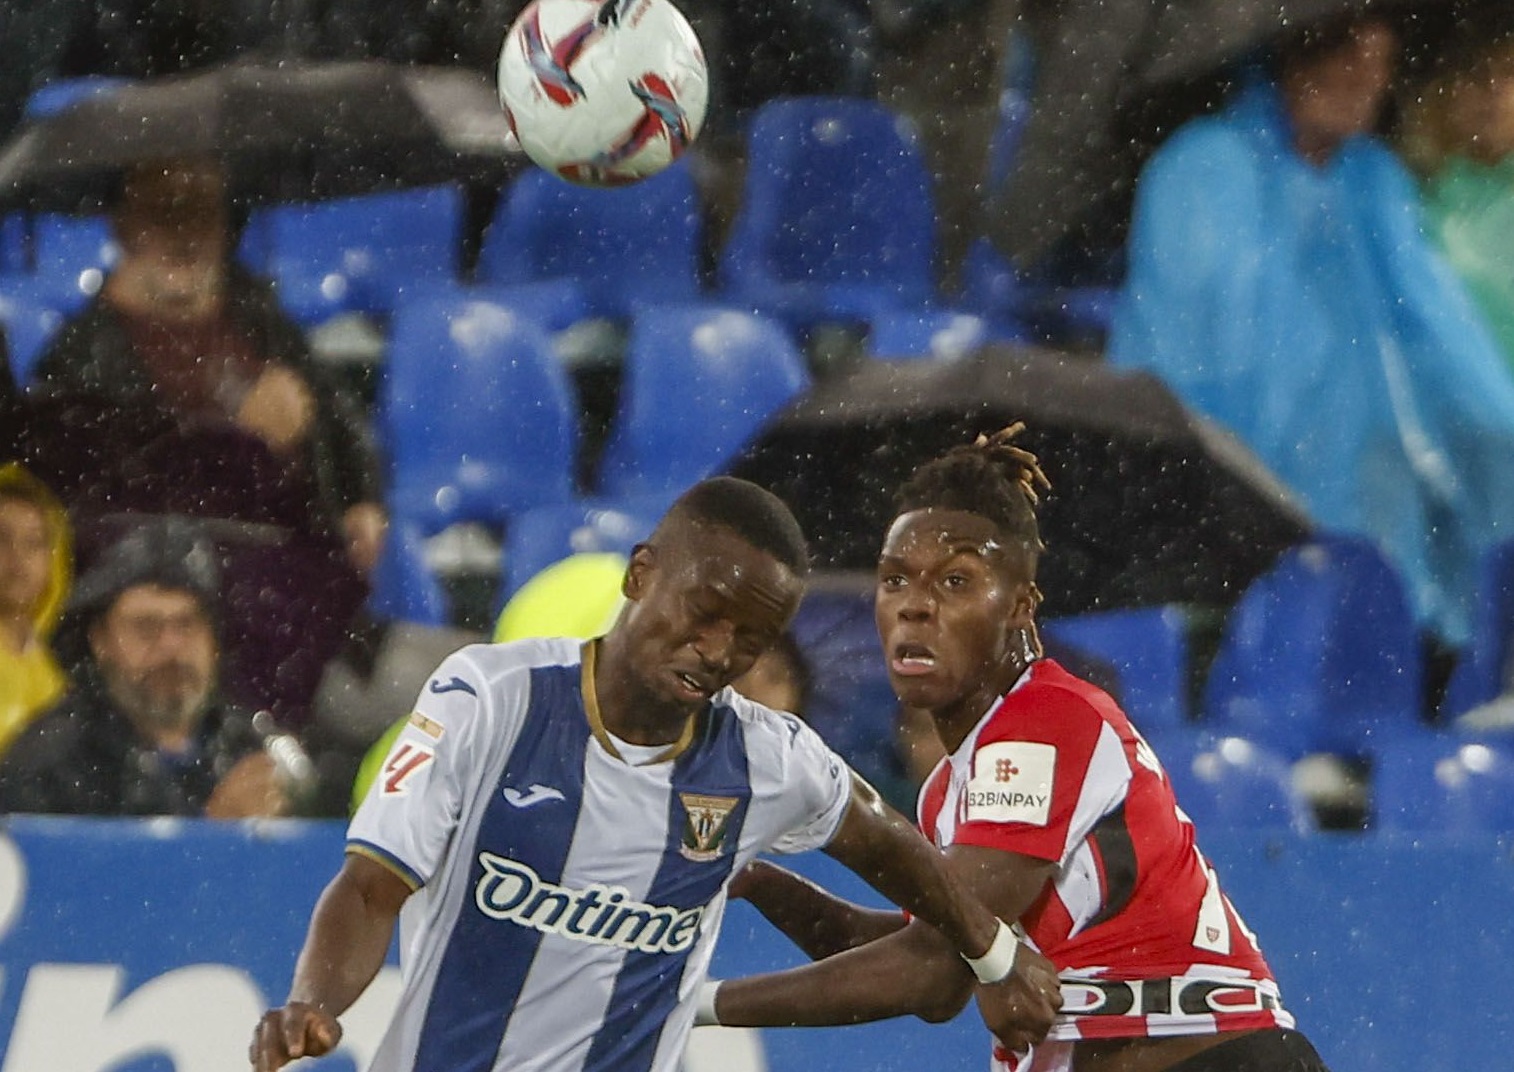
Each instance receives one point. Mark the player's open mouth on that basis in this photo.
(692, 685)
(911, 660)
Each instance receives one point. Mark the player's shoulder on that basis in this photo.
(770, 735)
(493, 660)
(1052, 691)
(752, 716)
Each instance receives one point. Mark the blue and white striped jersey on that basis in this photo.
(569, 896)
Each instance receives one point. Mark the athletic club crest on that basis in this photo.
(704, 827)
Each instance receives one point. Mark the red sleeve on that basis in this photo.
(1029, 768)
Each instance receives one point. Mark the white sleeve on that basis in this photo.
(817, 787)
(410, 811)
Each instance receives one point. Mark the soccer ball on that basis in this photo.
(603, 92)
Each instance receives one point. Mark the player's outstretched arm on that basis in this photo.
(813, 918)
(966, 901)
(348, 939)
(911, 971)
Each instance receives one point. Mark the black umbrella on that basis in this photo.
(287, 129)
(1150, 503)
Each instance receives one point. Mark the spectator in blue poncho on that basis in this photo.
(1281, 282)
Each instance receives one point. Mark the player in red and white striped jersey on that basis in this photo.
(1048, 802)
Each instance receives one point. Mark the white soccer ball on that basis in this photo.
(603, 92)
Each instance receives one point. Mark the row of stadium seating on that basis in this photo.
(836, 222)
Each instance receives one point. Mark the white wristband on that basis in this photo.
(999, 961)
(704, 1004)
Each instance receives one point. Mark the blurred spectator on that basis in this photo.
(142, 730)
(941, 63)
(374, 678)
(1458, 131)
(1281, 283)
(180, 338)
(35, 568)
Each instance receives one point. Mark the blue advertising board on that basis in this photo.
(153, 946)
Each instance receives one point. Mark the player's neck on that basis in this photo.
(626, 709)
(955, 720)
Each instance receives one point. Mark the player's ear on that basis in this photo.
(643, 557)
(1022, 612)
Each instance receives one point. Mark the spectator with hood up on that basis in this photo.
(142, 729)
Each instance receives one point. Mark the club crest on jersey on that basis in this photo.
(706, 820)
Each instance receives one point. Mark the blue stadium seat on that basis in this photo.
(699, 382)
(31, 319)
(50, 98)
(837, 219)
(1320, 654)
(554, 304)
(1147, 647)
(362, 254)
(477, 418)
(403, 587)
(1231, 783)
(68, 254)
(628, 245)
(1444, 784)
(991, 289)
(543, 535)
(1481, 672)
(943, 334)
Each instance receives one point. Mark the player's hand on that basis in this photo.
(1020, 1008)
(294, 1031)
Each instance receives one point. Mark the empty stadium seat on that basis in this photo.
(554, 304)
(1320, 654)
(837, 220)
(627, 245)
(30, 320)
(67, 255)
(402, 587)
(942, 334)
(1147, 647)
(1481, 672)
(356, 254)
(1231, 783)
(543, 535)
(1443, 784)
(699, 381)
(476, 416)
(1069, 313)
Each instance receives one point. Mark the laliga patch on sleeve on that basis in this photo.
(1011, 783)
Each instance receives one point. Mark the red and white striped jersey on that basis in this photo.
(1145, 942)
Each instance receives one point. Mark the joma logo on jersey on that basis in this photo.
(604, 915)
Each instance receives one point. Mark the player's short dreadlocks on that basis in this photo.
(990, 477)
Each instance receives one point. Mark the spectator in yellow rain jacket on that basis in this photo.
(35, 570)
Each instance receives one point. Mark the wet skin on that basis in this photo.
(953, 604)
(702, 605)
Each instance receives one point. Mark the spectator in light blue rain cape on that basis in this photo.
(1280, 281)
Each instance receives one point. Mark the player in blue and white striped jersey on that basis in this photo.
(559, 822)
